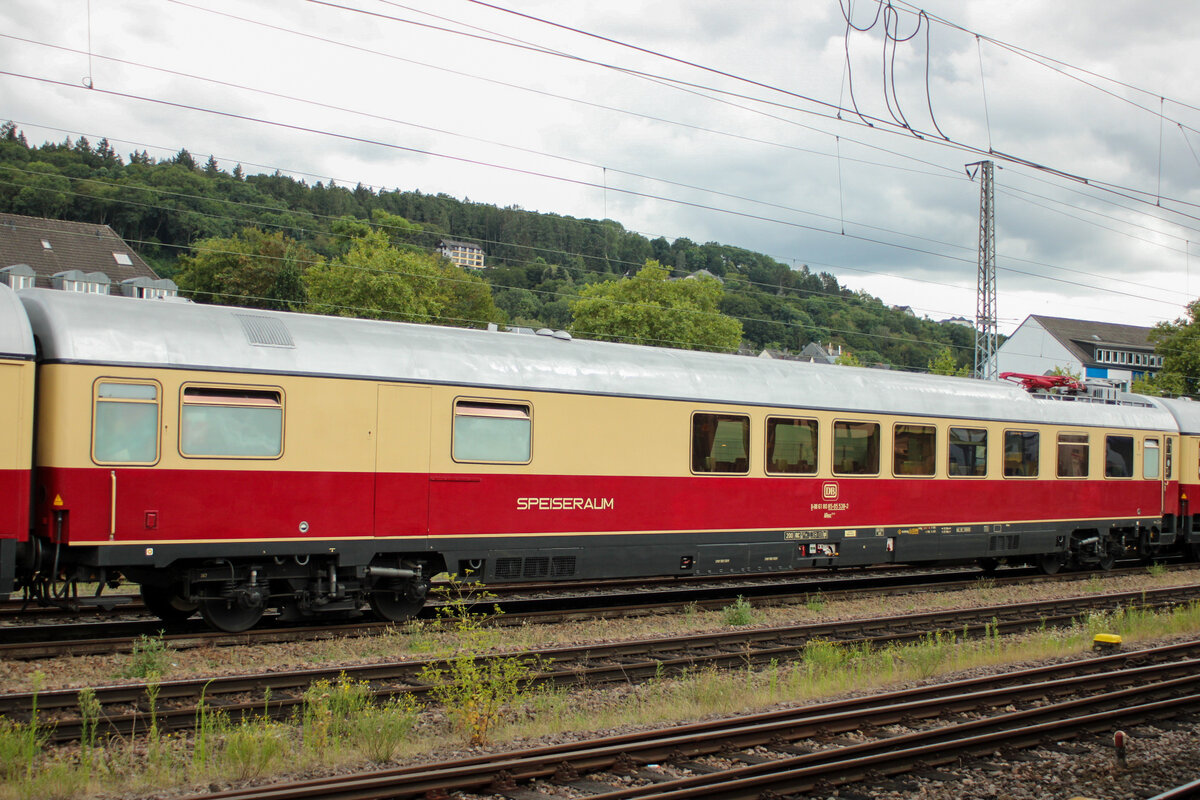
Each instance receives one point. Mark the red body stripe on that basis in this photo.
(14, 504)
(160, 504)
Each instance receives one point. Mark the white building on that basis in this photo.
(1117, 353)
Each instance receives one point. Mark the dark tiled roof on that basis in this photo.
(73, 245)
(1082, 337)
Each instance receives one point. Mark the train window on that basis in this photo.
(913, 449)
(1118, 456)
(231, 422)
(1021, 454)
(1072, 455)
(720, 443)
(497, 432)
(125, 423)
(792, 446)
(1150, 463)
(856, 448)
(968, 451)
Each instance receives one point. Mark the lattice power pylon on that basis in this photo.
(985, 301)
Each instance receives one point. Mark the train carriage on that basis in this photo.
(16, 431)
(235, 460)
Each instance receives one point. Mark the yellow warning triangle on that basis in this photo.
(58, 501)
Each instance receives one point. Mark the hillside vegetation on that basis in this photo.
(271, 240)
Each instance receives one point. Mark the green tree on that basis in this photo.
(848, 359)
(650, 308)
(1178, 343)
(378, 281)
(944, 364)
(251, 268)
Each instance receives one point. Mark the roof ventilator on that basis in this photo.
(265, 331)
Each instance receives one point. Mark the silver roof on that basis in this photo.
(1186, 413)
(16, 339)
(118, 330)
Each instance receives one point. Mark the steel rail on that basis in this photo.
(1147, 689)
(101, 638)
(125, 711)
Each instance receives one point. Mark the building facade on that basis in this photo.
(75, 257)
(464, 254)
(1095, 350)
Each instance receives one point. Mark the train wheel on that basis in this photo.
(395, 606)
(988, 565)
(229, 615)
(166, 604)
(1050, 563)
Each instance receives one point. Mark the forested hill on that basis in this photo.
(538, 262)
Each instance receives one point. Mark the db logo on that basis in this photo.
(830, 490)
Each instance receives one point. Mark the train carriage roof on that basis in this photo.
(73, 327)
(16, 339)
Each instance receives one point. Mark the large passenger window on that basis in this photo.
(856, 448)
(1150, 462)
(125, 429)
(968, 451)
(231, 422)
(1072, 455)
(1118, 456)
(913, 449)
(792, 446)
(497, 432)
(720, 443)
(1021, 454)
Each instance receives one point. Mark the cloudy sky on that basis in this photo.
(719, 121)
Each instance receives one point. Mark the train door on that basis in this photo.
(402, 461)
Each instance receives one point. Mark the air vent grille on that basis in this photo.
(265, 331)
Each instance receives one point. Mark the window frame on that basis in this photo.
(950, 442)
(878, 448)
(718, 415)
(816, 443)
(933, 432)
(495, 402)
(1108, 437)
(232, 388)
(97, 400)
(1087, 460)
(1004, 469)
(1158, 465)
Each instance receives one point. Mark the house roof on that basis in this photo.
(453, 243)
(1082, 337)
(80, 246)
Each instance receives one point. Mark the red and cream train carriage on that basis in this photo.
(237, 460)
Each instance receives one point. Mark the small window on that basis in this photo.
(125, 423)
(46, 244)
(231, 422)
(1021, 454)
(720, 443)
(913, 449)
(968, 451)
(1072, 455)
(1118, 456)
(1150, 462)
(792, 446)
(495, 432)
(856, 448)
(123, 259)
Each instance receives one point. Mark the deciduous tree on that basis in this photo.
(650, 308)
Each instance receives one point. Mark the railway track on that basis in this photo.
(520, 604)
(125, 710)
(812, 748)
